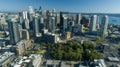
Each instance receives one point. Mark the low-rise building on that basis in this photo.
(5, 48)
(68, 35)
(6, 58)
(52, 63)
(22, 46)
(99, 63)
(37, 59)
(49, 37)
(34, 60)
(22, 62)
(4, 42)
(113, 59)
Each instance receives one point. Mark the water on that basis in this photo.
(114, 20)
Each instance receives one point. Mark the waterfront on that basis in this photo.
(114, 20)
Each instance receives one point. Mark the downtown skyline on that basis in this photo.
(59, 33)
(83, 6)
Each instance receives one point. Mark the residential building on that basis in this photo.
(93, 23)
(104, 26)
(14, 31)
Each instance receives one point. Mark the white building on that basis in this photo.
(93, 23)
(22, 62)
(25, 16)
(37, 60)
(104, 26)
(31, 10)
(99, 63)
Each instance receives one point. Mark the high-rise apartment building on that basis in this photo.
(78, 19)
(25, 15)
(14, 31)
(104, 26)
(27, 26)
(52, 24)
(93, 23)
(31, 10)
(65, 23)
(38, 25)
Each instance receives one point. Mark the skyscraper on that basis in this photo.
(93, 23)
(62, 19)
(38, 25)
(104, 25)
(70, 25)
(25, 16)
(14, 31)
(31, 15)
(27, 24)
(31, 10)
(20, 17)
(41, 25)
(65, 23)
(57, 18)
(53, 12)
(78, 19)
(47, 19)
(52, 24)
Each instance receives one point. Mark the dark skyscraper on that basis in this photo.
(47, 19)
(62, 19)
(65, 23)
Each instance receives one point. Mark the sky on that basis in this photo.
(84, 6)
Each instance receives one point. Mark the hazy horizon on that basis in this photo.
(82, 6)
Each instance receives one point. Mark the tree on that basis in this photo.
(89, 52)
(99, 40)
(71, 64)
(88, 45)
(43, 44)
(59, 54)
(74, 51)
(94, 55)
(48, 46)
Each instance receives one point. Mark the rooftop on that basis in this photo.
(21, 42)
(5, 56)
(114, 59)
(99, 63)
(20, 61)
